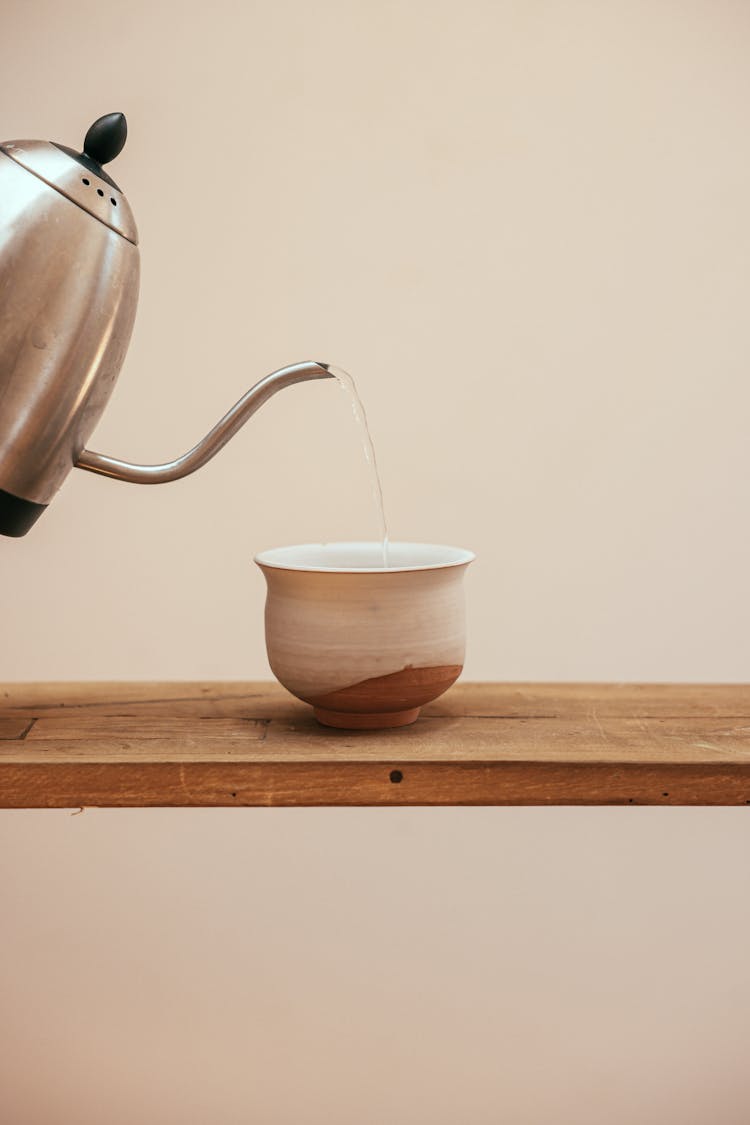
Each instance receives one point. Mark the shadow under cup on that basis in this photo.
(366, 645)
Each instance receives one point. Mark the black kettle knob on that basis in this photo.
(106, 138)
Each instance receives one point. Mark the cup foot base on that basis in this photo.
(352, 720)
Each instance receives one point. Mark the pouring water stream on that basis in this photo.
(347, 385)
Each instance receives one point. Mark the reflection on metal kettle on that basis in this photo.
(69, 268)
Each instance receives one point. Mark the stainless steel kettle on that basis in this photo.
(69, 269)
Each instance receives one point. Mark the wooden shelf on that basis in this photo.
(231, 744)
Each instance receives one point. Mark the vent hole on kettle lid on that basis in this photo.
(85, 181)
(99, 191)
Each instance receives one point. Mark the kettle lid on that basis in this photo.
(79, 175)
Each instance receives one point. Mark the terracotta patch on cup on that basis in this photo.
(383, 701)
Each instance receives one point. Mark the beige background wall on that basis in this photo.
(524, 228)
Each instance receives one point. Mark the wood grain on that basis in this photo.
(142, 730)
(65, 745)
(11, 728)
(234, 699)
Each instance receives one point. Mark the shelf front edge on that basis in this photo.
(288, 784)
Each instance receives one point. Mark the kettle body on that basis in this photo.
(69, 273)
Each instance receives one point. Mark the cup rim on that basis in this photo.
(272, 558)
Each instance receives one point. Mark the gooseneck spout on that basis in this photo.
(215, 440)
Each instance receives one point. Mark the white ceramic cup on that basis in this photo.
(366, 645)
